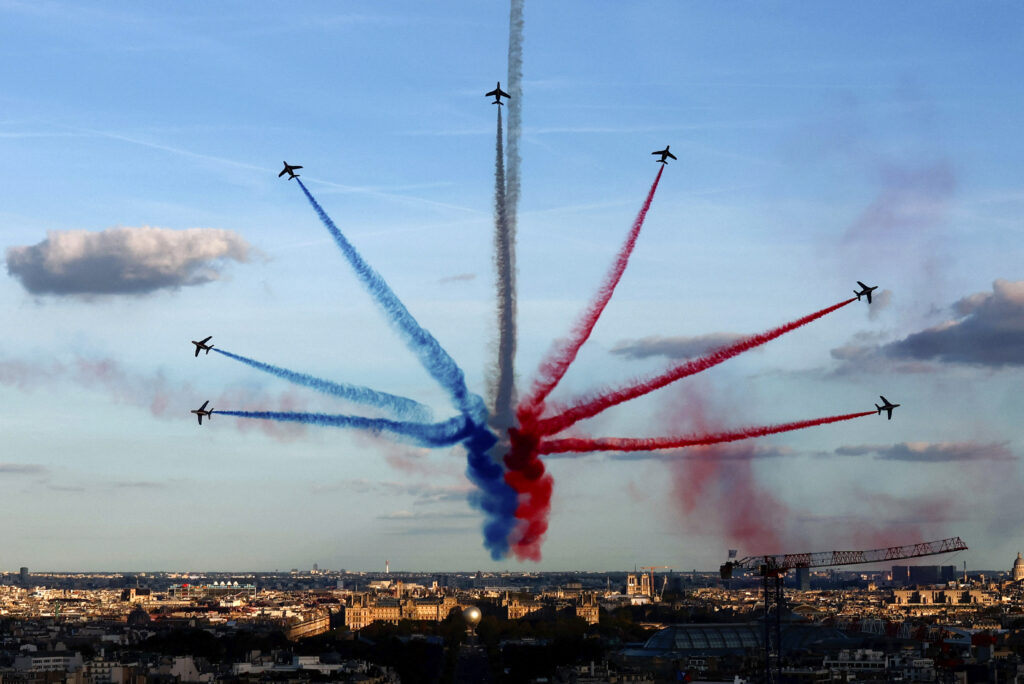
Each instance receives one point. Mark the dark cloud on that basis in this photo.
(22, 469)
(460, 277)
(124, 260)
(932, 452)
(674, 347)
(987, 330)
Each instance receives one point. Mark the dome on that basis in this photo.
(1018, 569)
(472, 616)
(138, 617)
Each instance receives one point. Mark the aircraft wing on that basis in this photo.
(502, 92)
(282, 173)
(296, 167)
(197, 350)
(204, 404)
(862, 285)
(207, 339)
(493, 92)
(672, 155)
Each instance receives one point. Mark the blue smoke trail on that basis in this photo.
(434, 359)
(496, 499)
(445, 433)
(400, 406)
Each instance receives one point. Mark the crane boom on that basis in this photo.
(782, 562)
(773, 568)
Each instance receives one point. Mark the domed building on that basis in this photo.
(1018, 569)
(138, 618)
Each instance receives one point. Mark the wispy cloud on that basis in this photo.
(673, 347)
(932, 452)
(458, 278)
(422, 494)
(23, 469)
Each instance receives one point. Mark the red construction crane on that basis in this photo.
(773, 568)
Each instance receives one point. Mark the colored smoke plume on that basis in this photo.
(445, 433)
(493, 496)
(564, 352)
(434, 359)
(586, 445)
(600, 402)
(400, 406)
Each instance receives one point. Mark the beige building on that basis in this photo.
(1018, 569)
(365, 610)
(942, 597)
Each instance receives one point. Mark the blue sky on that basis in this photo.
(818, 145)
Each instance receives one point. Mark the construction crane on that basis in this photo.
(773, 568)
(652, 568)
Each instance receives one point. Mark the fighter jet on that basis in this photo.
(664, 153)
(290, 170)
(202, 411)
(886, 406)
(201, 345)
(498, 93)
(865, 290)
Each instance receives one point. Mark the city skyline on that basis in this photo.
(817, 147)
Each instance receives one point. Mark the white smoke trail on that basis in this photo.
(506, 204)
(503, 414)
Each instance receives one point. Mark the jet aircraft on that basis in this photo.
(290, 170)
(886, 406)
(664, 153)
(201, 345)
(865, 290)
(498, 93)
(202, 411)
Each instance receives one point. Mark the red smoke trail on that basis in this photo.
(592, 407)
(525, 472)
(526, 475)
(564, 352)
(582, 444)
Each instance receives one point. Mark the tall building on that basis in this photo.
(1018, 569)
(23, 575)
(803, 579)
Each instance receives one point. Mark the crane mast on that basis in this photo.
(772, 569)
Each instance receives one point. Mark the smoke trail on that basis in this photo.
(434, 359)
(400, 406)
(495, 498)
(599, 403)
(441, 434)
(526, 475)
(504, 390)
(515, 115)
(564, 352)
(582, 445)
